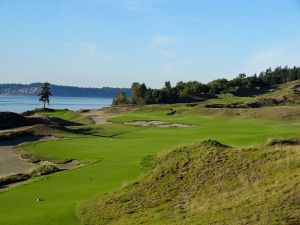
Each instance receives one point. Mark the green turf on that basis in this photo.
(61, 113)
(116, 160)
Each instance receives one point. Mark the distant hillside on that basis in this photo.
(58, 90)
(209, 183)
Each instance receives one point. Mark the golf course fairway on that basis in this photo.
(112, 161)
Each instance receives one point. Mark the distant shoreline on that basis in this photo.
(57, 96)
(60, 90)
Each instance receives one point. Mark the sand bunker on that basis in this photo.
(12, 163)
(156, 124)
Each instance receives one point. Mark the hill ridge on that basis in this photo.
(197, 184)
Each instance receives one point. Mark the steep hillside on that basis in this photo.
(286, 93)
(209, 183)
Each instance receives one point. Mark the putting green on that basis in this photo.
(114, 160)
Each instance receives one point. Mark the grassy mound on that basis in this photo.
(9, 120)
(35, 132)
(63, 115)
(44, 169)
(12, 120)
(216, 185)
(37, 110)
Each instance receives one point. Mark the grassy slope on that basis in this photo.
(278, 92)
(67, 115)
(283, 90)
(61, 113)
(117, 161)
(207, 184)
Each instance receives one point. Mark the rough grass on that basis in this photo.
(44, 169)
(283, 113)
(284, 91)
(209, 183)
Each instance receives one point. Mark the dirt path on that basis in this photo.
(98, 116)
(11, 162)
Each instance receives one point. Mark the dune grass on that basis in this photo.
(112, 154)
(277, 92)
(209, 183)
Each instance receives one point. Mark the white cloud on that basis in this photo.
(288, 54)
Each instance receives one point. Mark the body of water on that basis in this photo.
(20, 104)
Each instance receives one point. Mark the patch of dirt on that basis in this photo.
(156, 124)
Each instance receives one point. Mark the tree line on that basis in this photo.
(195, 91)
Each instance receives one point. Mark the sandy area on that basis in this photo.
(12, 163)
(156, 124)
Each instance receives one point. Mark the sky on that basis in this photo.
(96, 43)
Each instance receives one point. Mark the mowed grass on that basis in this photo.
(113, 160)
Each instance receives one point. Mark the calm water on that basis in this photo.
(20, 104)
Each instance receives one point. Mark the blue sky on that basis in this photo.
(96, 43)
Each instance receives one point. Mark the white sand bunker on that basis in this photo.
(156, 124)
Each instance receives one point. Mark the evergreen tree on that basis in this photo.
(120, 99)
(45, 93)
